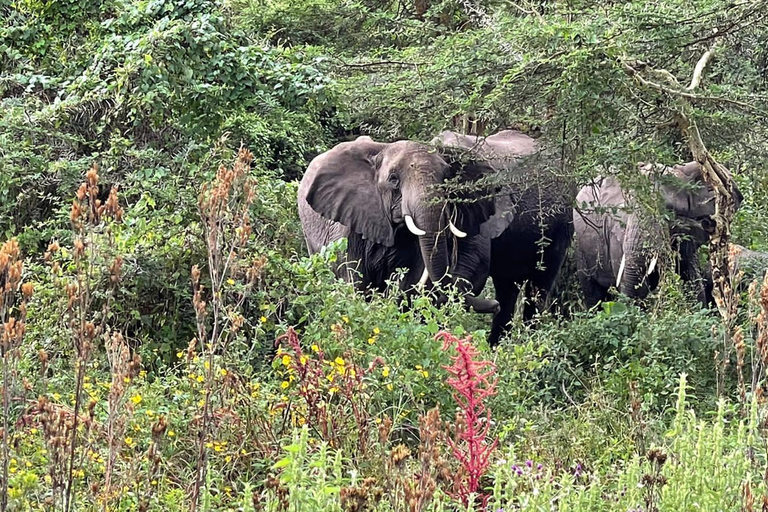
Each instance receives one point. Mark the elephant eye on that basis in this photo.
(394, 180)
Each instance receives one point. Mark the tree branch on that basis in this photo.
(633, 68)
(699, 69)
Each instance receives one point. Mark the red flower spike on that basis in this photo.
(470, 378)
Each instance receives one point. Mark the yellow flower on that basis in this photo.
(345, 319)
(171, 433)
(352, 373)
(425, 373)
(263, 319)
(333, 390)
(209, 445)
(385, 371)
(127, 380)
(339, 361)
(284, 384)
(136, 399)
(230, 281)
(129, 441)
(315, 348)
(330, 377)
(376, 330)
(207, 365)
(286, 360)
(371, 341)
(303, 359)
(150, 413)
(389, 387)
(180, 354)
(418, 367)
(200, 378)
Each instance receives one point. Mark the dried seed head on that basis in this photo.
(399, 453)
(81, 192)
(92, 176)
(158, 429)
(27, 289)
(115, 268)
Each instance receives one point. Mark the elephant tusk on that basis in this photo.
(424, 278)
(412, 226)
(652, 265)
(456, 231)
(621, 269)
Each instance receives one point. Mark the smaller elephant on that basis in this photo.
(384, 198)
(618, 244)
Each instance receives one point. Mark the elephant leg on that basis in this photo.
(594, 293)
(470, 271)
(543, 281)
(506, 295)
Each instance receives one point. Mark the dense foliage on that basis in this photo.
(167, 346)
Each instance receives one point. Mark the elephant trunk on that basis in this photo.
(434, 252)
(638, 260)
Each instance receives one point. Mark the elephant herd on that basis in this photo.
(464, 208)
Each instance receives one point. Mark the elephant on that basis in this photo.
(384, 199)
(619, 244)
(531, 229)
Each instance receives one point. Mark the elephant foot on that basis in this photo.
(479, 305)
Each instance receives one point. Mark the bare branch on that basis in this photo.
(633, 69)
(699, 69)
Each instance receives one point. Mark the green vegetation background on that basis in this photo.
(160, 93)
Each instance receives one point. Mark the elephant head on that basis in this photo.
(692, 203)
(375, 188)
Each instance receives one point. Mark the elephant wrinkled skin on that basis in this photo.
(618, 244)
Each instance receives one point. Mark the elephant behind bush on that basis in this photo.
(620, 244)
(532, 226)
(451, 213)
(385, 199)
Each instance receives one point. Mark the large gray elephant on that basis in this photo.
(531, 228)
(384, 198)
(620, 244)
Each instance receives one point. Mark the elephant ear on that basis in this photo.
(471, 189)
(344, 189)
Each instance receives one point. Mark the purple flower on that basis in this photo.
(529, 463)
(538, 467)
